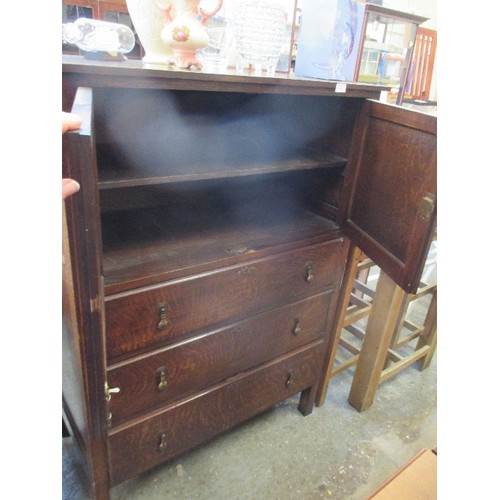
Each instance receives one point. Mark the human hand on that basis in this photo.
(69, 187)
(70, 121)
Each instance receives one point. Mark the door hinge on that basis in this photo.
(95, 305)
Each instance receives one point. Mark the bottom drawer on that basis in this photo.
(139, 446)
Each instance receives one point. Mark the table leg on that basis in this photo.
(383, 318)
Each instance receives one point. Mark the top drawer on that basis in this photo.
(157, 315)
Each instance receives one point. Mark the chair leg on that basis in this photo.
(429, 335)
(381, 324)
(399, 326)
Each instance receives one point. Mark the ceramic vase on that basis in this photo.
(185, 31)
(148, 17)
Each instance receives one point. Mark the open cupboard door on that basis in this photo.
(389, 202)
(84, 395)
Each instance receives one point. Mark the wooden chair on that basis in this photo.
(383, 347)
(358, 308)
(419, 78)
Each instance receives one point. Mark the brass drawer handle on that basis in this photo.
(288, 382)
(162, 311)
(162, 442)
(297, 328)
(161, 375)
(309, 272)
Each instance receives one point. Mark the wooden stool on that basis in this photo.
(359, 307)
(376, 351)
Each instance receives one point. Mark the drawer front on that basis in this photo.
(182, 426)
(150, 381)
(164, 313)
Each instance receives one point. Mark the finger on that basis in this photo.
(70, 121)
(69, 187)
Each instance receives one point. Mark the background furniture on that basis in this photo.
(419, 77)
(204, 255)
(379, 358)
(389, 342)
(386, 48)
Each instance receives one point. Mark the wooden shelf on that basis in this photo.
(119, 173)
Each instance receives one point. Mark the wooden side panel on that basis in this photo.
(84, 353)
(389, 206)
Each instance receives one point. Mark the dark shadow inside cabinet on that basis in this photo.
(189, 180)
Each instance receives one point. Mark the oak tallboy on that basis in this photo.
(206, 247)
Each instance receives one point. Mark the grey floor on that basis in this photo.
(336, 452)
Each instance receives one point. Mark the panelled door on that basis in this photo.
(389, 203)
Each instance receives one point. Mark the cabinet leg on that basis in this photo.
(101, 493)
(306, 402)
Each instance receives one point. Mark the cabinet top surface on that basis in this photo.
(136, 74)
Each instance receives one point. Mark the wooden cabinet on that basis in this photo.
(206, 247)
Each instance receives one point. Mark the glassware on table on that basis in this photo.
(215, 54)
(92, 35)
(260, 31)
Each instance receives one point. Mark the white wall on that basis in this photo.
(425, 8)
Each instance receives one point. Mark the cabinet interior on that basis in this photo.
(189, 178)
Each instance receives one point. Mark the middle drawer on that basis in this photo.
(150, 381)
(172, 311)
